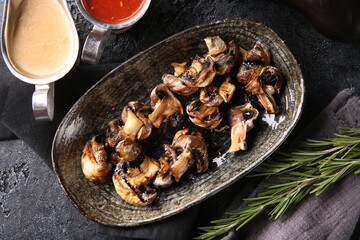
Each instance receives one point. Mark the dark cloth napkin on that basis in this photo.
(16, 114)
(332, 215)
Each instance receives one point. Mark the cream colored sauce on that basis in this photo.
(42, 41)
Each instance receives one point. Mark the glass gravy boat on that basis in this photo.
(43, 97)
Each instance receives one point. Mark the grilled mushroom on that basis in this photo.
(252, 64)
(200, 73)
(166, 107)
(95, 162)
(175, 83)
(264, 86)
(271, 77)
(179, 68)
(241, 121)
(131, 183)
(135, 116)
(210, 95)
(125, 148)
(164, 177)
(225, 57)
(217, 92)
(192, 151)
(177, 86)
(202, 115)
(227, 90)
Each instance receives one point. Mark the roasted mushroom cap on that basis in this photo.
(94, 161)
(176, 83)
(131, 183)
(264, 86)
(135, 116)
(217, 92)
(252, 64)
(241, 121)
(125, 148)
(192, 150)
(224, 57)
(210, 95)
(200, 74)
(202, 115)
(215, 45)
(271, 77)
(164, 178)
(179, 68)
(166, 107)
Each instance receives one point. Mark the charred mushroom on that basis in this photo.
(202, 115)
(125, 148)
(95, 162)
(164, 177)
(225, 57)
(131, 183)
(166, 107)
(217, 92)
(200, 73)
(264, 87)
(241, 121)
(252, 64)
(176, 83)
(192, 151)
(210, 95)
(179, 68)
(177, 86)
(271, 77)
(227, 90)
(135, 116)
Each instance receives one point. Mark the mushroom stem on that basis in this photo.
(238, 137)
(132, 125)
(241, 121)
(181, 165)
(268, 102)
(166, 107)
(157, 116)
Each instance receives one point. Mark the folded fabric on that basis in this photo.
(334, 213)
(16, 111)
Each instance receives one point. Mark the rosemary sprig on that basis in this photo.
(309, 170)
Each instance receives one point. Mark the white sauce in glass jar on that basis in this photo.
(41, 43)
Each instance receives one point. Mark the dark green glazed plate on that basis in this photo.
(134, 80)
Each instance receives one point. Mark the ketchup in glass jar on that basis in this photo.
(113, 11)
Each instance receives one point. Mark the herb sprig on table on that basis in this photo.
(309, 170)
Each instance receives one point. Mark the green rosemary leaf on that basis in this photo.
(308, 170)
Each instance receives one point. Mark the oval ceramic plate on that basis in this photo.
(134, 80)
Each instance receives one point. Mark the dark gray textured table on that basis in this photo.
(32, 204)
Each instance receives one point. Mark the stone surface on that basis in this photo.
(32, 204)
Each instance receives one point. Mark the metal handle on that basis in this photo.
(94, 44)
(43, 102)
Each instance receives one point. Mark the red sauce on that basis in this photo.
(113, 11)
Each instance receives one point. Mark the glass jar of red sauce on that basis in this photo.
(108, 16)
(113, 11)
